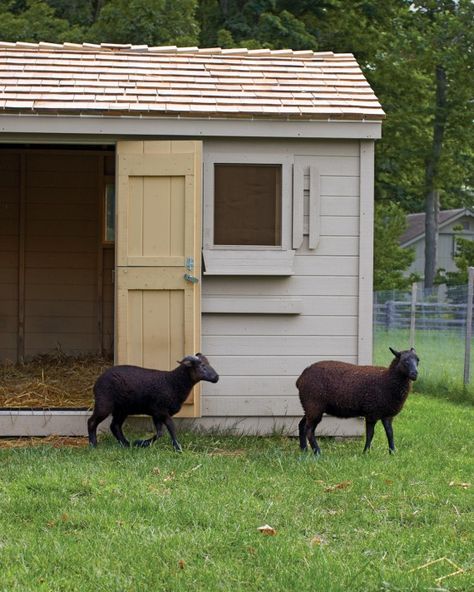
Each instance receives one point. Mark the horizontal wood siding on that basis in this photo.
(259, 357)
(61, 252)
(10, 167)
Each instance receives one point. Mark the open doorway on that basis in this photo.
(56, 272)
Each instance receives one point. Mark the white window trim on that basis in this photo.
(248, 259)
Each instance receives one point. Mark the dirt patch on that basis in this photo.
(224, 452)
(51, 381)
(54, 441)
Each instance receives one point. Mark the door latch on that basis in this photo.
(189, 265)
(191, 278)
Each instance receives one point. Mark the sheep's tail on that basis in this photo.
(299, 382)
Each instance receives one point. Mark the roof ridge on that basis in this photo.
(119, 48)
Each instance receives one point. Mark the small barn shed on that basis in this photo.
(159, 201)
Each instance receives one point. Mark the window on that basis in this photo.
(247, 221)
(109, 213)
(247, 204)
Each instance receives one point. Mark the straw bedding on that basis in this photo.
(54, 441)
(51, 381)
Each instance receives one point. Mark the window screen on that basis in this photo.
(247, 204)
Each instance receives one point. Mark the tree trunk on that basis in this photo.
(431, 178)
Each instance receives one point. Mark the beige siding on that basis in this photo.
(259, 357)
(10, 166)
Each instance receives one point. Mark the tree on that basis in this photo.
(146, 22)
(428, 148)
(391, 260)
(36, 21)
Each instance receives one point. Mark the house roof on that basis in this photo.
(87, 79)
(416, 223)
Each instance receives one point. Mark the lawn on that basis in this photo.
(442, 361)
(110, 519)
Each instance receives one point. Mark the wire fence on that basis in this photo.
(438, 323)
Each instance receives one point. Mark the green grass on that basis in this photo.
(136, 520)
(442, 361)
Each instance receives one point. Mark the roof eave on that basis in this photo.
(126, 124)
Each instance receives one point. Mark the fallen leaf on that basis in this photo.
(169, 477)
(181, 564)
(342, 485)
(267, 529)
(459, 484)
(156, 471)
(318, 540)
(64, 517)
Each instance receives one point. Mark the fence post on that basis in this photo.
(412, 314)
(390, 314)
(467, 350)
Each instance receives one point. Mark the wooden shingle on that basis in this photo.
(112, 78)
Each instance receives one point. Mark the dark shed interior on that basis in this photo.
(56, 253)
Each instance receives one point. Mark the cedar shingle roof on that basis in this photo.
(108, 79)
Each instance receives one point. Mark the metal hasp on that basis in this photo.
(190, 267)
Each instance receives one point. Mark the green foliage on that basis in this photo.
(255, 23)
(422, 38)
(390, 260)
(146, 22)
(150, 519)
(36, 22)
(464, 259)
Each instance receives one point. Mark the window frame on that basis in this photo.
(248, 259)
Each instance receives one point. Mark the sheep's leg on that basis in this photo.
(387, 424)
(369, 433)
(92, 424)
(116, 429)
(172, 431)
(302, 433)
(310, 433)
(159, 432)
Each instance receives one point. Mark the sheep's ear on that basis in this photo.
(394, 352)
(186, 362)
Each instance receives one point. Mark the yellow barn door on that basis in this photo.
(158, 255)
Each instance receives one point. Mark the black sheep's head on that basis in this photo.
(407, 362)
(199, 368)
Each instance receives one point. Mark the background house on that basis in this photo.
(161, 201)
(450, 222)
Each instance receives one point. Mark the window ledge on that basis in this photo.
(248, 262)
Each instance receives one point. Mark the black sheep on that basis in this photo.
(129, 390)
(347, 390)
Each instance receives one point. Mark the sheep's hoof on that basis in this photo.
(391, 451)
(178, 448)
(142, 443)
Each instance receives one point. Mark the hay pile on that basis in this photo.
(51, 381)
(54, 441)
